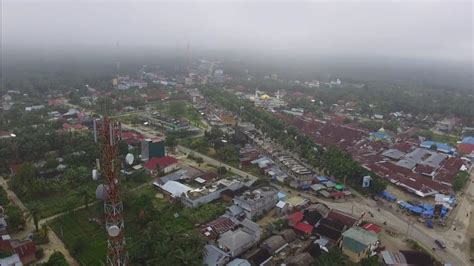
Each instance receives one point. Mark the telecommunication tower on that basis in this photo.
(108, 135)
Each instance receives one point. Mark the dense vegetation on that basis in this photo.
(15, 216)
(460, 180)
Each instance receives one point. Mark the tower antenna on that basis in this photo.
(108, 135)
(187, 57)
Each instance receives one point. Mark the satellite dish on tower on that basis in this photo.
(113, 231)
(101, 191)
(129, 159)
(95, 174)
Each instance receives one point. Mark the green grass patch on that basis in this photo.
(75, 227)
(66, 200)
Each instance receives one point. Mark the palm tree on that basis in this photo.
(35, 210)
(44, 231)
(83, 192)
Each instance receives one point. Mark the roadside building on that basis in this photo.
(152, 148)
(358, 243)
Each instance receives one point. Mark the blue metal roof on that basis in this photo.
(321, 178)
(439, 145)
(469, 140)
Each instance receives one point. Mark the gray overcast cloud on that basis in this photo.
(438, 30)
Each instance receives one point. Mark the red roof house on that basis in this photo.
(166, 164)
(372, 227)
(132, 138)
(73, 127)
(342, 217)
(26, 250)
(465, 148)
(294, 218)
(304, 227)
(215, 228)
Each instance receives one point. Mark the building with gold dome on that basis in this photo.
(266, 101)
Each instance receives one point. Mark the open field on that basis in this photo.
(187, 111)
(85, 240)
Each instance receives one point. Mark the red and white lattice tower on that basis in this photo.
(108, 135)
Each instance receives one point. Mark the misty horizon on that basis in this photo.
(425, 31)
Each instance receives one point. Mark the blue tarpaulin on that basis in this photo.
(427, 206)
(404, 205)
(444, 211)
(427, 214)
(385, 194)
(415, 209)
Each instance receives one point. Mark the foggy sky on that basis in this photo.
(434, 30)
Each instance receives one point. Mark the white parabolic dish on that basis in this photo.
(129, 159)
(113, 231)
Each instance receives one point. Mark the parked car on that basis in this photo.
(440, 243)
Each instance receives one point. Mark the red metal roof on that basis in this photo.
(216, 227)
(424, 169)
(25, 249)
(161, 161)
(131, 137)
(5, 245)
(403, 147)
(337, 194)
(4, 133)
(342, 217)
(372, 227)
(304, 227)
(296, 217)
(465, 148)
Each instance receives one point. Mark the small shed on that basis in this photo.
(317, 187)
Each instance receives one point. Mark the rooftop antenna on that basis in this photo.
(187, 57)
(118, 57)
(108, 135)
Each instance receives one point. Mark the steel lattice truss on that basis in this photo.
(107, 134)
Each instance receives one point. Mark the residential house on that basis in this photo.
(158, 165)
(215, 256)
(274, 244)
(72, 128)
(257, 202)
(239, 262)
(173, 190)
(259, 257)
(24, 249)
(237, 241)
(358, 243)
